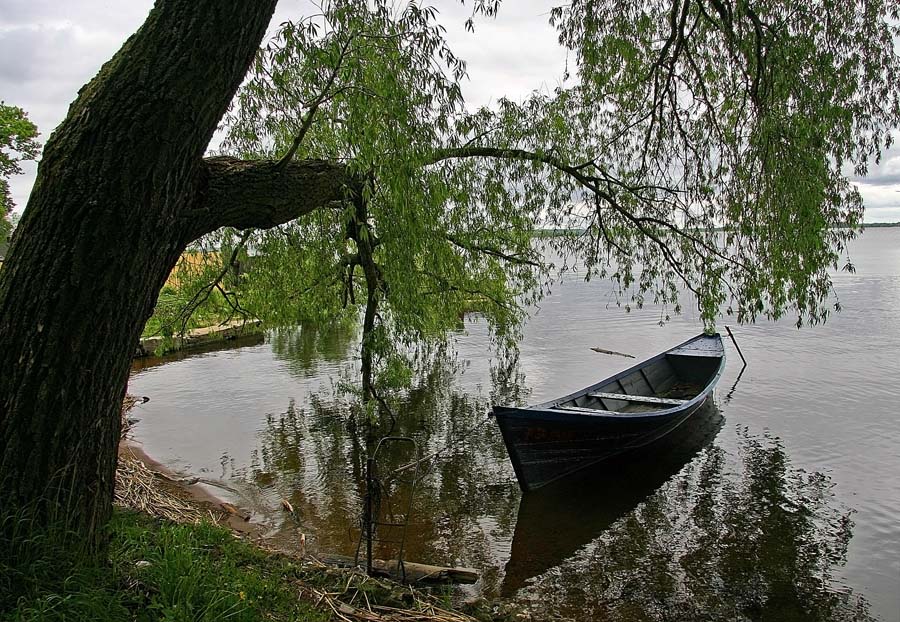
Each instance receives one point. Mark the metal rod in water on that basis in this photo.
(370, 464)
(734, 341)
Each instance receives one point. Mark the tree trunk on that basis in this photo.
(119, 194)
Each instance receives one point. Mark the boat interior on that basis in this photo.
(669, 381)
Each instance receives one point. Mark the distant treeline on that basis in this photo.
(880, 224)
(555, 233)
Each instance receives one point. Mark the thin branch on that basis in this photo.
(493, 252)
(203, 294)
(450, 287)
(307, 120)
(591, 182)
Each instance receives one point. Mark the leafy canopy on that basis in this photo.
(745, 115)
(698, 151)
(18, 142)
(377, 88)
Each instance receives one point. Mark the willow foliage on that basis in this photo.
(378, 89)
(743, 115)
(699, 148)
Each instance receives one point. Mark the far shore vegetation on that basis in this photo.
(551, 233)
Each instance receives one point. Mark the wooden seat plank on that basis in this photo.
(644, 399)
(583, 409)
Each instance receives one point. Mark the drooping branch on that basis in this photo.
(592, 183)
(492, 251)
(445, 285)
(314, 106)
(203, 294)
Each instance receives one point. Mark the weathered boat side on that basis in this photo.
(628, 410)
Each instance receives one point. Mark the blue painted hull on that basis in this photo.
(551, 440)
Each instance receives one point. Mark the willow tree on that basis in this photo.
(700, 149)
(378, 89)
(683, 116)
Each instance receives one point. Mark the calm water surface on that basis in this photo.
(779, 502)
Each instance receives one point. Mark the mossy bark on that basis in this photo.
(122, 189)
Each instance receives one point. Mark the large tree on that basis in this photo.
(686, 115)
(121, 190)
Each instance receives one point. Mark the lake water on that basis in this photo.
(780, 502)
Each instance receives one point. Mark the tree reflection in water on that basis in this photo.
(305, 347)
(688, 532)
(315, 458)
(729, 538)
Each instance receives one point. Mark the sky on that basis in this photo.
(49, 49)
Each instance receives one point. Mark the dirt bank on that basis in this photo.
(147, 485)
(177, 494)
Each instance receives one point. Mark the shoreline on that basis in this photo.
(158, 345)
(188, 488)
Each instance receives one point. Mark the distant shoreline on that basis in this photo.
(552, 233)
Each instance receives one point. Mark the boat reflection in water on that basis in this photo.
(557, 520)
(732, 535)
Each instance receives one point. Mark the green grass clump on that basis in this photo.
(153, 570)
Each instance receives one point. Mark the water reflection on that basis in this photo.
(682, 530)
(554, 522)
(304, 348)
(315, 456)
(730, 538)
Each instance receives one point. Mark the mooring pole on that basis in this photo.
(734, 341)
(370, 464)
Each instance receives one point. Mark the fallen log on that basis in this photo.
(415, 572)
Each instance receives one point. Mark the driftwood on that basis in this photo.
(234, 511)
(352, 604)
(415, 572)
(147, 490)
(138, 488)
(613, 352)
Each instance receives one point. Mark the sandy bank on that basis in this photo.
(177, 494)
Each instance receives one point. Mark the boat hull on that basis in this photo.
(545, 446)
(626, 411)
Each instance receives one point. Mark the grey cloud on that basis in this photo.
(55, 53)
(110, 16)
(510, 56)
(882, 202)
(892, 179)
(50, 48)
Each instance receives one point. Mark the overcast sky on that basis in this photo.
(49, 49)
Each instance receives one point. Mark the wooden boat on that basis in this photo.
(628, 410)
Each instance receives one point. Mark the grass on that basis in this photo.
(154, 570)
(158, 570)
(166, 319)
